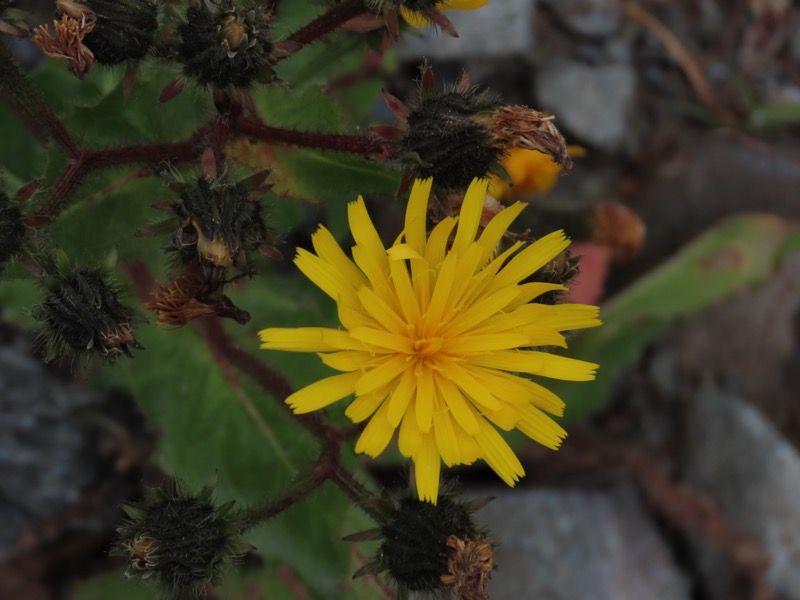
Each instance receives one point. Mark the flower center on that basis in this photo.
(425, 349)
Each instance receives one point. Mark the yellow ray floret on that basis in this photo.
(417, 19)
(439, 338)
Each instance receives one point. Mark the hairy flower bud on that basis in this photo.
(226, 45)
(82, 315)
(179, 540)
(432, 548)
(219, 224)
(462, 133)
(11, 230)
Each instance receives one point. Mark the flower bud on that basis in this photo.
(461, 134)
(179, 540)
(225, 45)
(432, 548)
(82, 315)
(220, 224)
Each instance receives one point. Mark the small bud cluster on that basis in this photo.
(179, 540)
(83, 315)
(224, 45)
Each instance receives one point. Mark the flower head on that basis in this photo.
(438, 334)
(421, 13)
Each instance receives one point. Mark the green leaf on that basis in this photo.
(739, 253)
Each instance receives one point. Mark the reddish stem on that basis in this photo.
(258, 514)
(326, 23)
(341, 142)
(26, 102)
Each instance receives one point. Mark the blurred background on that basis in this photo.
(681, 474)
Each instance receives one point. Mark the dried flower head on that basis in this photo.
(190, 296)
(82, 315)
(68, 42)
(462, 133)
(226, 45)
(123, 29)
(179, 540)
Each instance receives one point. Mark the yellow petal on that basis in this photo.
(328, 249)
(382, 375)
(381, 311)
(537, 363)
(437, 242)
(373, 266)
(469, 386)
(470, 217)
(376, 435)
(468, 448)
(457, 405)
(531, 259)
(347, 360)
(446, 440)
(401, 396)
(529, 291)
(405, 291)
(541, 428)
(416, 222)
(498, 455)
(427, 465)
(463, 4)
(493, 232)
(364, 232)
(323, 392)
(480, 311)
(441, 294)
(410, 437)
(307, 339)
(425, 395)
(324, 277)
(466, 344)
(381, 338)
(363, 406)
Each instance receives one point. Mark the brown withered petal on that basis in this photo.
(522, 127)
(188, 297)
(619, 228)
(67, 44)
(470, 565)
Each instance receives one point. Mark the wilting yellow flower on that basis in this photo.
(438, 334)
(418, 19)
(532, 172)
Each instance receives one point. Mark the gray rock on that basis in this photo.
(578, 545)
(594, 103)
(592, 18)
(498, 30)
(741, 461)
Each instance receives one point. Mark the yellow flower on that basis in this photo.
(418, 19)
(438, 334)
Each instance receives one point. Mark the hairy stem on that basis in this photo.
(341, 142)
(326, 23)
(28, 104)
(256, 515)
